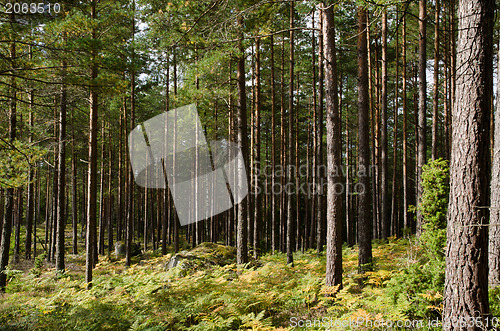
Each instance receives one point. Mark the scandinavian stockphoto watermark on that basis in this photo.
(305, 185)
(364, 323)
(170, 150)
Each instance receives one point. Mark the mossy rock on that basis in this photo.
(215, 253)
(203, 256)
(120, 249)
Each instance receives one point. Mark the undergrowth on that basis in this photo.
(207, 291)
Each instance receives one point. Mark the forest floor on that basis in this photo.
(207, 291)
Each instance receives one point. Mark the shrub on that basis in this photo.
(417, 289)
(434, 206)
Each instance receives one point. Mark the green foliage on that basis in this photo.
(494, 296)
(213, 293)
(16, 160)
(434, 206)
(417, 289)
(38, 265)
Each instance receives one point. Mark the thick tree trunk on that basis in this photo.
(422, 104)
(334, 160)
(364, 195)
(466, 286)
(494, 229)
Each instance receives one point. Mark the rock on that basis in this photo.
(120, 249)
(173, 262)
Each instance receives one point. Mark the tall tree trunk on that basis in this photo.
(74, 202)
(372, 116)
(289, 212)
(38, 190)
(466, 286)
(333, 153)
(364, 195)
(102, 202)
(406, 220)
(241, 236)
(447, 84)
(84, 206)
(283, 197)
(435, 110)
(53, 213)
(9, 192)
(110, 193)
(61, 173)
(92, 168)
(422, 104)
(297, 175)
(453, 57)
(274, 239)
(233, 212)
(166, 192)
(18, 217)
(251, 197)
(349, 219)
(30, 197)
(384, 204)
(130, 176)
(257, 184)
(121, 190)
(494, 229)
(320, 176)
(314, 166)
(376, 142)
(174, 214)
(395, 224)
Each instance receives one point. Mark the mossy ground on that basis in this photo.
(208, 292)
